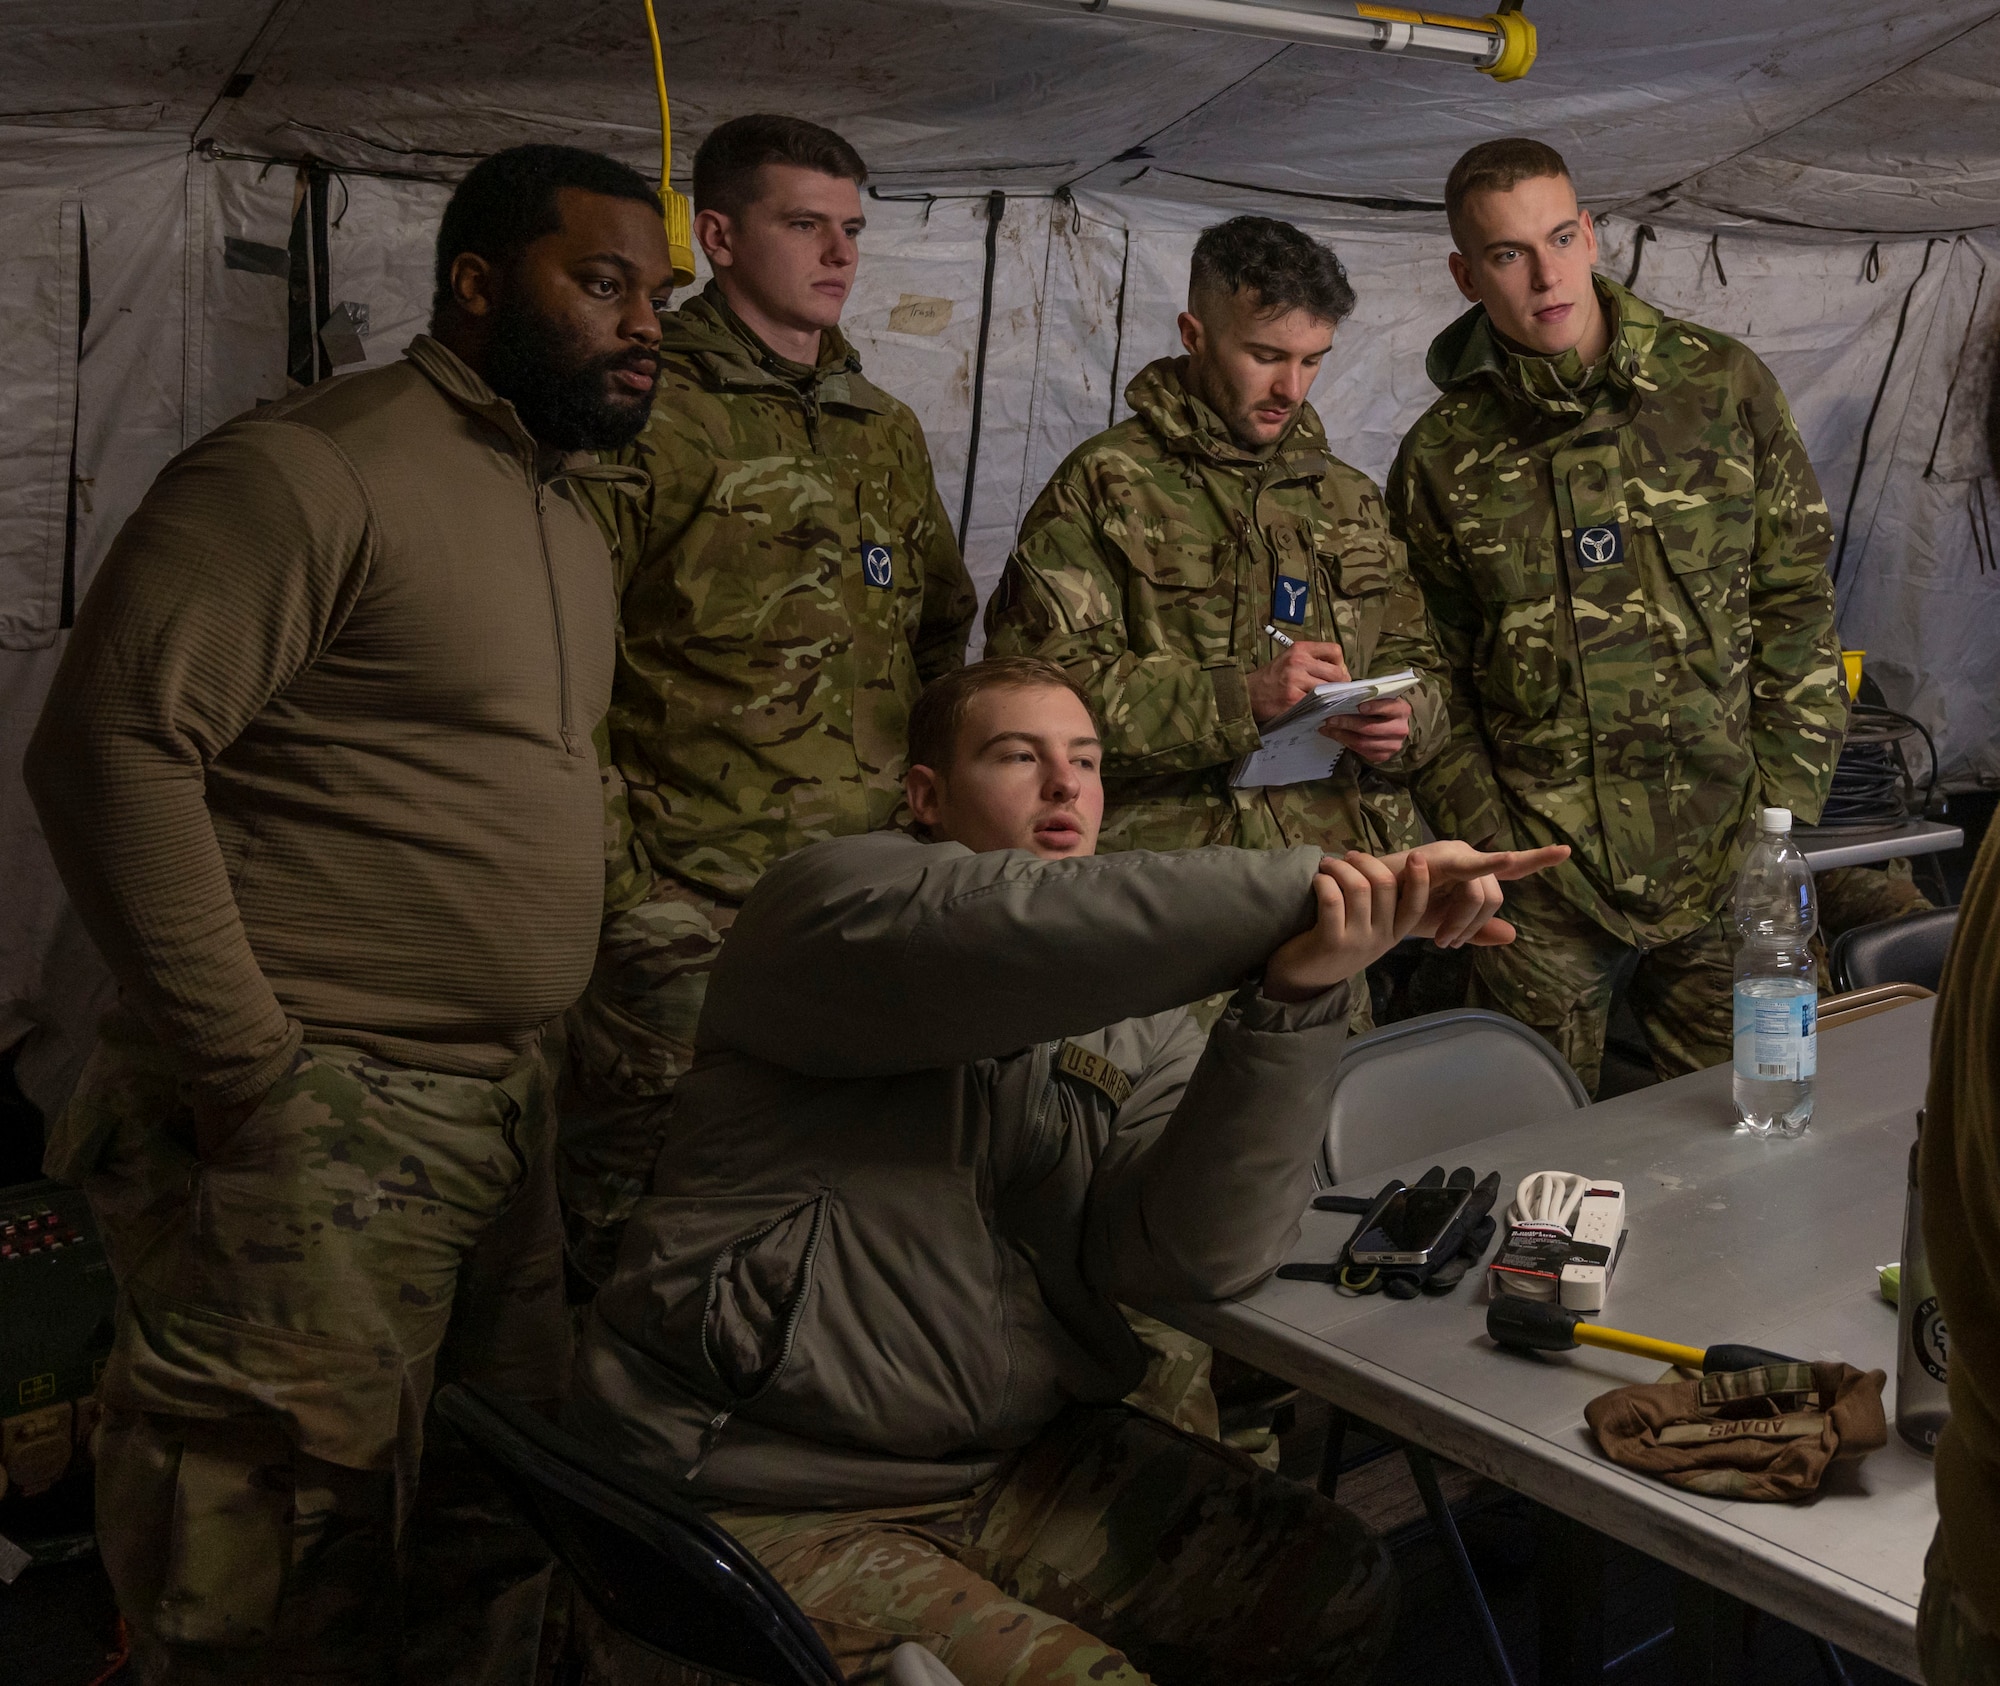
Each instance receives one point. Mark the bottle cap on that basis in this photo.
(1777, 819)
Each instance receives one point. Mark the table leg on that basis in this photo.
(1336, 1444)
(1425, 1474)
(1709, 1632)
(1569, 1573)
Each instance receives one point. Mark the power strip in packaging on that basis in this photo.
(1593, 1247)
(1564, 1236)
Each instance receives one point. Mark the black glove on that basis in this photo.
(1458, 1249)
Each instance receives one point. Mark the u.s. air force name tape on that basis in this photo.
(1079, 1062)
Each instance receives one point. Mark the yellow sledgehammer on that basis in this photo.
(1544, 1326)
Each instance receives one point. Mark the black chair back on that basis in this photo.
(653, 1565)
(1906, 950)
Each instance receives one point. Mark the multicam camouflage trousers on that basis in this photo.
(1561, 971)
(286, 1307)
(1114, 1551)
(1559, 974)
(630, 1039)
(1955, 1648)
(1866, 895)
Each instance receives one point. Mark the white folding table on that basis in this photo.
(1769, 1243)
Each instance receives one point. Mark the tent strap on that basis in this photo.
(66, 616)
(1118, 341)
(996, 208)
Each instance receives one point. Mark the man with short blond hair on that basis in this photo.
(788, 583)
(947, 1115)
(1623, 548)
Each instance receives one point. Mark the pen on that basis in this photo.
(1273, 632)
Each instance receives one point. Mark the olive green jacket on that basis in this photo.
(1149, 568)
(945, 1116)
(788, 584)
(1626, 571)
(316, 764)
(1961, 1201)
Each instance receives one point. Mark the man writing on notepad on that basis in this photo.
(1202, 566)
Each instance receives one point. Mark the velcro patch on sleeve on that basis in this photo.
(1100, 1073)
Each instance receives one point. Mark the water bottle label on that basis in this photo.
(1777, 1037)
(1927, 1336)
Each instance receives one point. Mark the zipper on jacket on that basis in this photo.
(709, 1436)
(1038, 1128)
(809, 402)
(713, 1432)
(555, 611)
(1042, 1062)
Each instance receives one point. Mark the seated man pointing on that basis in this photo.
(946, 1114)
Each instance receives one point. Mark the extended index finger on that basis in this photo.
(1521, 863)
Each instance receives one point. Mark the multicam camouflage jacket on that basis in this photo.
(1626, 571)
(788, 583)
(1149, 568)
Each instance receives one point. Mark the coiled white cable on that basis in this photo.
(1548, 1197)
(1545, 1204)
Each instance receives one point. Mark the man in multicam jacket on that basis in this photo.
(1201, 566)
(1623, 547)
(789, 582)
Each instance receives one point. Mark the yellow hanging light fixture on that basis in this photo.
(679, 214)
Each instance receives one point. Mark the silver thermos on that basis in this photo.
(1922, 1408)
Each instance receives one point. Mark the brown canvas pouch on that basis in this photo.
(1767, 1433)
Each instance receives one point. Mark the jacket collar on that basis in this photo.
(733, 359)
(1185, 426)
(1470, 350)
(455, 378)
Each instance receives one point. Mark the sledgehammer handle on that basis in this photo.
(1545, 1326)
(1640, 1346)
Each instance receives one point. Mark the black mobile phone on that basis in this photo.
(1409, 1227)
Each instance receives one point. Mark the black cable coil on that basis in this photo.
(1873, 786)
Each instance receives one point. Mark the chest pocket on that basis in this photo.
(1352, 576)
(1708, 552)
(1180, 595)
(1522, 668)
(762, 555)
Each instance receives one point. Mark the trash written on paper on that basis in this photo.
(1294, 749)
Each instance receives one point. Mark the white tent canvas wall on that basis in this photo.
(1822, 181)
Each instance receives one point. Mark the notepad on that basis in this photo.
(1294, 750)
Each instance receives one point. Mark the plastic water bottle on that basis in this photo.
(1777, 997)
(1923, 1350)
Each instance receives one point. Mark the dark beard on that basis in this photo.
(566, 401)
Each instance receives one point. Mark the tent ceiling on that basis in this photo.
(1643, 100)
(1854, 114)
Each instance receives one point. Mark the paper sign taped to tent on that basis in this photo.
(913, 313)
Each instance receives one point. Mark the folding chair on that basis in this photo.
(653, 1565)
(1420, 1088)
(1856, 1004)
(1908, 950)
